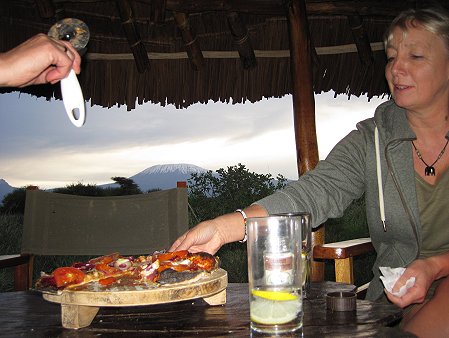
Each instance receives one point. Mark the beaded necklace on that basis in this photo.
(430, 169)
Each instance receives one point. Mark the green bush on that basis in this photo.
(351, 225)
(11, 227)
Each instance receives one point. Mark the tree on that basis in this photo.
(212, 194)
(81, 190)
(14, 202)
(127, 186)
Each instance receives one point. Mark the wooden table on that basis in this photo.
(27, 314)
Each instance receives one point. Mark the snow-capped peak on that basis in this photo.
(168, 168)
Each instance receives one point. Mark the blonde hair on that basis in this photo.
(434, 20)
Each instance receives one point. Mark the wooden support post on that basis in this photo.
(361, 40)
(242, 41)
(191, 44)
(344, 270)
(304, 102)
(132, 34)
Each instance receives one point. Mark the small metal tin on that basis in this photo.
(341, 301)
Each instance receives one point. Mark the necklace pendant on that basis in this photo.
(429, 171)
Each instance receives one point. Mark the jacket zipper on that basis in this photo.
(401, 195)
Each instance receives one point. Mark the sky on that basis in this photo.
(39, 145)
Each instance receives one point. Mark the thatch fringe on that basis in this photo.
(109, 75)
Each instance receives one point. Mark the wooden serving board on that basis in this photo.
(79, 308)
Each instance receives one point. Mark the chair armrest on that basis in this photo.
(344, 249)
(342, 253)
(9, 261)
(23, 265)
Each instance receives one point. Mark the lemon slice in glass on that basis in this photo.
(274, 295)
(273, 312)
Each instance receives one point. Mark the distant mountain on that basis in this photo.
(162, 176)
(5, 189)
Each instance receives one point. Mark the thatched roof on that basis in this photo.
(147, 50)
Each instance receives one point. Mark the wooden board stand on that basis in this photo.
(79, 308)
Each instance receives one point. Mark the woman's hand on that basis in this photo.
(206, 236)
(210, 236)
(425, 272)
(41, 59)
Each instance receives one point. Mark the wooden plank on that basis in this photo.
(230, 54)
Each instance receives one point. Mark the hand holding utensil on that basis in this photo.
(77, 33)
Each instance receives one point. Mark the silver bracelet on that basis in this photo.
(244, 220)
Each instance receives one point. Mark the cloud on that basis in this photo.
(40, 146)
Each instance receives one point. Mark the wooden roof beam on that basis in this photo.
(361, 40)
(242, 41)
(277, 7)
(132, 34)
(157, 10)
(190, 42)
(45, 8)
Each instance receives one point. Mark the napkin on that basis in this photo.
(391, 275)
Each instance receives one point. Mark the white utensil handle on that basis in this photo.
(73, 99)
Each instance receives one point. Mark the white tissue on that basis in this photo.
(391, 275)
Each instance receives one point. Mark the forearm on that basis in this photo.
(440, 264)
(5, 73)
(233, 224)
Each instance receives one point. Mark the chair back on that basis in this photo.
(60, 224)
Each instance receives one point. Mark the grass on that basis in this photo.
(233, 256)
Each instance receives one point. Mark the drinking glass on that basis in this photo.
(306, 253)
(275, 273)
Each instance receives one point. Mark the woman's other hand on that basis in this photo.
(425, 272)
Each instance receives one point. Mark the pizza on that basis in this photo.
(116, 272)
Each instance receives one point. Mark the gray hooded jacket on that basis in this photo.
(348, 172)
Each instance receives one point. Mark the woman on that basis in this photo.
(40, 59)
(407, 211)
